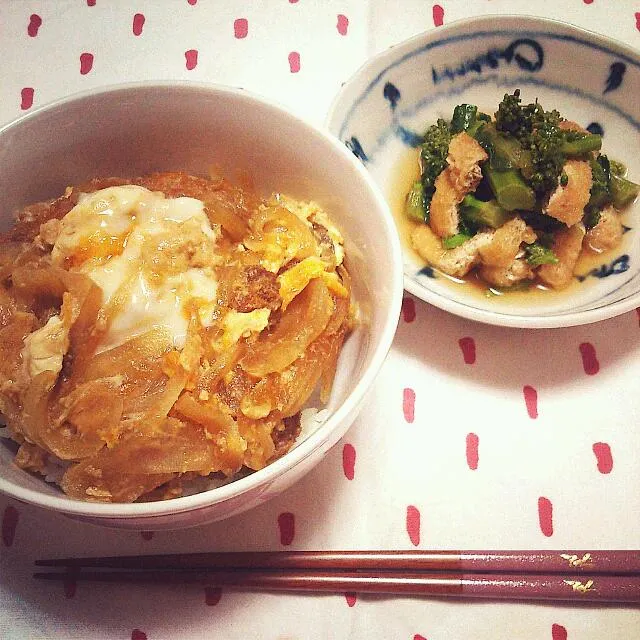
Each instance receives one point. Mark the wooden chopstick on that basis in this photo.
(601, 588)
(528, 562)
(594, 576)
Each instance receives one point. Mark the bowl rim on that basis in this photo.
(323, 434)
(493, 23)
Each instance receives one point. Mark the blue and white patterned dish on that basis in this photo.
(381, 112)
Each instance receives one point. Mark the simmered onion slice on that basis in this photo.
(303, 321)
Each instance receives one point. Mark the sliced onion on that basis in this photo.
(303, 321)
(87, 418)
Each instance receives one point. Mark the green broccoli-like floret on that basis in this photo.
(537, 254)
(545, 144)
(538, 132)
(511, 117)
(433, 159)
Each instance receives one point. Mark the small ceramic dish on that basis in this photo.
(167, 126)
(383, 110)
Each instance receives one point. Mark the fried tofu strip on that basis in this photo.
(566, 246)
(505, 243)
(607, 234)
(454, 262)
(459, 178)
(570, 125)
(513, 273)
(567, 202)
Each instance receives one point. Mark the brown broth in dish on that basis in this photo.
(407, 171)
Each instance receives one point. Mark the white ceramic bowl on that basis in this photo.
(137, 129)
(588, 78)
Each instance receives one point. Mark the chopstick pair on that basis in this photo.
(597, 576)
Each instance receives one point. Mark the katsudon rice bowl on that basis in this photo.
(188, 321)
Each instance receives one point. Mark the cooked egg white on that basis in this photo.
(44, 349)
(152, 257)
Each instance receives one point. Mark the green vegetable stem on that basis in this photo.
(455, 241)
(581, 145)
(504, 153)
(510, 190)
(477, 213)
(414, 207)
(623, 191)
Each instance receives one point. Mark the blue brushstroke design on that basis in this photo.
(353, 144)
(619, 265)
(512, 52)
(516, 51)
(427, 271)
(392, 94)
(489, 59)
(595, 128)
(503, 82)
(408, 137)
(491, 34)
(616, 75)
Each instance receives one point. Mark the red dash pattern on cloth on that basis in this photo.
(468, 348)
(604, 459)
(408, 309)
(472, 451)
(191, 59)
(558, 632)
(348, 461)
(413, 525)
(240, 28)
(590, 362)
(350, 597)
(531, 401)
(294, 62)
(70, 586)
(10, 519)
(342, 25)
(408, 404)
(91, 3)
(212, 596)
(438, 15)
(136, 634)
(86, 63)
(638, 20)
(35, 21)
(287, 527)
(545, 516)
(138, 24)
(588, 1)
(26, 98)
(417, 636)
